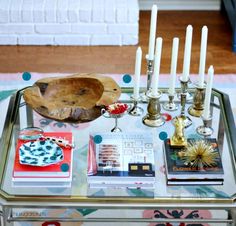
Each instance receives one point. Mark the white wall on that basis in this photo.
(69, 22)
(180, 4)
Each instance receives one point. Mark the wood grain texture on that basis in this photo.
(121, 59)
(76, 98)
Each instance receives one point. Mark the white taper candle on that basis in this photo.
(152, 34)
(157, 63)
(203, 51)
(137, 72)
(187, 53)
(174, 59)
(207, 101)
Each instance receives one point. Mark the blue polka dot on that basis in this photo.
(97, 139)
(26, 76)
(64, 167)
(127, 78)
(163, 135)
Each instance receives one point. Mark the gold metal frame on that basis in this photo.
(116, 202)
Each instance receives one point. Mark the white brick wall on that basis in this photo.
(38, 12)
(69, 22)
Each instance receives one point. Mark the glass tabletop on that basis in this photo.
(20, 116)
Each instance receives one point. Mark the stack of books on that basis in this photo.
(123, 160)
(53, 175)
(178, 173)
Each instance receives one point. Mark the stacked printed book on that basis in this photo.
(121, 160)
(180, 171)
(43, 163)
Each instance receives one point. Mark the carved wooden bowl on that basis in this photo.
(77, 98)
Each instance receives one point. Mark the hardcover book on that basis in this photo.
(178, 172)
(58, 174)
(122, 160)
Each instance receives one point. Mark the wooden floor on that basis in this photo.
(120, 59)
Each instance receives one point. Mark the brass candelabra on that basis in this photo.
(198, 102)
(153, 117)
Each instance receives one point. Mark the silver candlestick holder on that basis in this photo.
(170, 105)
(198, 102)
(205, 129)
(183, 99)
(153, 117)
(135, 110)
(150, 66)
(184, 88)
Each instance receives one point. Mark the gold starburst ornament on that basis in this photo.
(200, 153)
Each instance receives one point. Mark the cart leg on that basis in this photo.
(232, 215)
(1, 218)
(5, 214)
(30, 120)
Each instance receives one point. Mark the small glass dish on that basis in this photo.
(116, 110)
(31, 133)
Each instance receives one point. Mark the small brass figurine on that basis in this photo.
(178, 139)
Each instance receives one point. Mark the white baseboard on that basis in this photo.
(180, 4)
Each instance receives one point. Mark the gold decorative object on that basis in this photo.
(200, 153)
(178, 139)
(77, 98)
(153, 117)
(198, 100)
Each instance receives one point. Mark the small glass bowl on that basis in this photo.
(30, 133)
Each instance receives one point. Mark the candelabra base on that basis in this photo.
(206, 129)
(149, 121)
(116, 129)
(170, 106)
(197, 107)
(195, 112)
(135, 110)
(186, 120)
(153, 118)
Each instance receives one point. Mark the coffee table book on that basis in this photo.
(55, 175)
(178, 173)
(123, 160)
